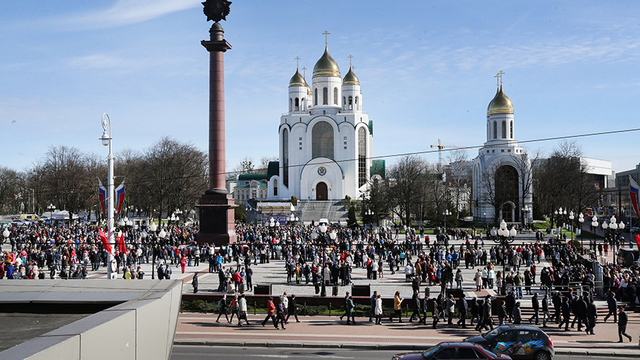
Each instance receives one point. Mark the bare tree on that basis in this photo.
(405, 187)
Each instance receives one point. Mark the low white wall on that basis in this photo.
(142, 326)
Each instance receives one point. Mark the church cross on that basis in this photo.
(499, 78)
(350, 57)
(297, 61)
(326, 37)
(304, 72)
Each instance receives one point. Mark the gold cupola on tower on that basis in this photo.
(350, 78)
(326, 66)
(297, 80)
(501, 104)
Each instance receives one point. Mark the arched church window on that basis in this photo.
(362, 156)
(344, 103)
(297, 104)
(504, 129)
(511, 128)
(350, 102)
(285, 157)
(322, 140)
(335, 96)
(289, 104)
(357, 105)
(495, 130)
(325, 96)
(275, 187)
(316, 97)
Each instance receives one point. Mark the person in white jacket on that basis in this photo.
(378, 310)
(242, 310)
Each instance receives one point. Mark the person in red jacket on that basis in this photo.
(271, 309)
(183, 263)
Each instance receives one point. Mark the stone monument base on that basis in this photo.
(216, 219)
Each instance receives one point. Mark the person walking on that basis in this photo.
(280, 314)
(222, 308)
(234, 308)
(517, 314)
(271, 309)
(415, 303)
(545, 309)
(344, 306)
(463, 306)
(242, 310)
(372, 314)
(350, 311)
(566, 314)
(397, 306)
(536, 309)
(623, 318)
(292, 308)
(194, 283)
(378, 309)
(612, 305)
(592, 315)
(450, 309)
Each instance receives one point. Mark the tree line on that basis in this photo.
(167, 176)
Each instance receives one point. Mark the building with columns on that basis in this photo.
(325, 137)
(502, 170)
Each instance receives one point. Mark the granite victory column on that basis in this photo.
(216, 205)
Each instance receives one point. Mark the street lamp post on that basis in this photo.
(581, 220)
(446, 213)
(107, 140)
(504, 240)
(323, 230)
(613, 227)
(571, 217)
(153, 229)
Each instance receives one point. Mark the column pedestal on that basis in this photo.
(216, 219)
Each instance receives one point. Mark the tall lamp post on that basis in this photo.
(504, 240)
(613, 227)
(571, 217)
(153, 228)
(446, 213)
(581, 220)
(107, 141)
(323, 230)
(594, 225)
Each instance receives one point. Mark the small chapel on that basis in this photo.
(325, 137)
(502, 170)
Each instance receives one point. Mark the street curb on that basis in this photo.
(632, 352)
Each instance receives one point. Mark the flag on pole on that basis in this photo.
(105, 241)
(102, 194)
(121, 245)
(633, 195)
(119, 198)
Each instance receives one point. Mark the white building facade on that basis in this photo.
(325, 139)
(502, 171)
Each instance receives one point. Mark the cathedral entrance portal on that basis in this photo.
(322, 193)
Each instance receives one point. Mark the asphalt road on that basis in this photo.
(181, 352)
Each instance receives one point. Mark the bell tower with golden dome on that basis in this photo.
(325, 138)
(502, 170)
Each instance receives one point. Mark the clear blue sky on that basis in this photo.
(426, 69)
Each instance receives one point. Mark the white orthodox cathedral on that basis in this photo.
(324, 138)
(502, 170)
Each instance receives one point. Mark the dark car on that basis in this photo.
(517, 341)
(453, 350)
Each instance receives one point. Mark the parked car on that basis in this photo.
(453, 350)
(517, 341)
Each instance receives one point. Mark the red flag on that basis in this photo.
(637, 240)
(121, 246)
(105, 241)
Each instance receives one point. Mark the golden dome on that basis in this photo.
(326, 66)
(501, 104)
(350, 78)
(297, 79)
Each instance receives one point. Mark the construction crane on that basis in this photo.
(440, 148)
